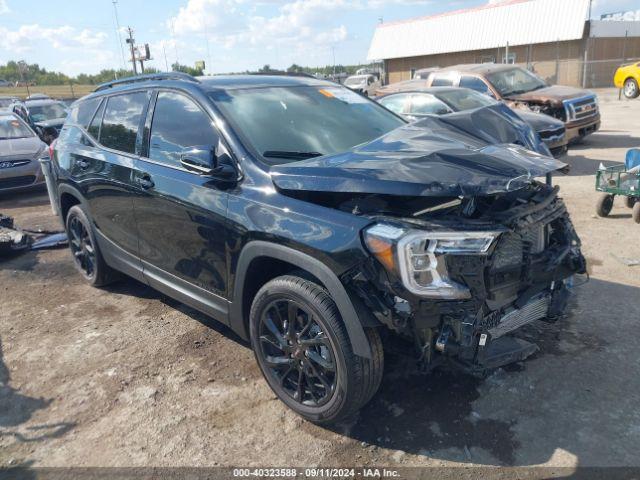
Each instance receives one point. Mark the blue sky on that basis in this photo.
(75, 36)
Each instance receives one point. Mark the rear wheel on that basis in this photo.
(635, 213)
(604, 204)
(304, 352)
(631, 88)
(86, 254)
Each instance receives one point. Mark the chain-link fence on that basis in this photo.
(591, 74)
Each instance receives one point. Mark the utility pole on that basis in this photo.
(131, 41)
(166, 63)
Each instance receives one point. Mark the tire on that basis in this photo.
(635, 213)
(630, 88)
(85, 251)
(630, 201)
(604, 204)
(332, 395)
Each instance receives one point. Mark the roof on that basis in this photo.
(479, 68)
(229, 82)
(614, 28)
(40, 102)
(521, 22)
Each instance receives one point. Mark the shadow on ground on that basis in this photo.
(17, 409)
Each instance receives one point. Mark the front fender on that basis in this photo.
(258, 249)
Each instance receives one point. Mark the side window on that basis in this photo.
(178, 123)
(474, 83)
(442, 81)
(425, 104)
(121, 121)
(94, 127)
(82, 113)
(395, 103)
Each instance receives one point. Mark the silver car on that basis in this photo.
(20, 150)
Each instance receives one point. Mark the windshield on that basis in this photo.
(515, 81)
(49, 111)
(464, 99)
(355, 80)
(285, 124)
(11, 127)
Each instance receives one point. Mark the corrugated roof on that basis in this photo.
(519, 22)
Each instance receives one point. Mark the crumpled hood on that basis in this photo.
(553, 94)
(427, 158)
(19, 147)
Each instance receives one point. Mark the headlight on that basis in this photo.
(418, 257)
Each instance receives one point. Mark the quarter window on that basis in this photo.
(94, 127)
(122, 120)
(178, 123)
(82, 112)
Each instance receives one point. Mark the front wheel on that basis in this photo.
(631, 89)
(604, 204)
(304, 352)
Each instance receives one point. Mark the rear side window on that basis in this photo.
(82, 113)
(442, 81)
(178, 123)
(121, 121)
(474, 83)
(94, 127)
(395, 103)
(425, 104)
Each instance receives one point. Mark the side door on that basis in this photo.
(181, 213)
(104, 169)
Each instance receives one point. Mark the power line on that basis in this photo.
(115, 12)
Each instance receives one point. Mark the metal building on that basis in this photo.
(551, 37)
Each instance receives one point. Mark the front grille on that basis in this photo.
(581, 108)
(13, 182)
(552, 135)
(534, 310)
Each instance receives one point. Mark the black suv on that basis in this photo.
(315, 222)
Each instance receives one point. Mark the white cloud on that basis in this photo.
(4, 8)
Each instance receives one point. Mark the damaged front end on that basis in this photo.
(466, 244)
(458, 279)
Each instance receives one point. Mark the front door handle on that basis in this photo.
(146, 182)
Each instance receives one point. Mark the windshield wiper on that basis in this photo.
(290, 154)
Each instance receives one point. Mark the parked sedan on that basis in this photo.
(20, 150)
(417, 103)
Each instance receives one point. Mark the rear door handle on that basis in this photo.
(146, 182)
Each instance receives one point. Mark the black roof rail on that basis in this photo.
(146, 78)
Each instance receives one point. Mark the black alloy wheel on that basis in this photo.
(82, 248)
(304, 352)
(297, 352)
(87, 257)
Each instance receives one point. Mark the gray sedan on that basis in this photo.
(20, 150)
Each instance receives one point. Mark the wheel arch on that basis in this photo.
(68, 196)
(281, 260)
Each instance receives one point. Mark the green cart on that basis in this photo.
(618, 180)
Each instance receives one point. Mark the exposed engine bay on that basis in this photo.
(523, 276)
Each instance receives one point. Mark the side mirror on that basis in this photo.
(204, 161)
(200, 159)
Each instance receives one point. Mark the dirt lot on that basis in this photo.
(126, 377)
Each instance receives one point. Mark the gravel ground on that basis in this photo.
(124, 376)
